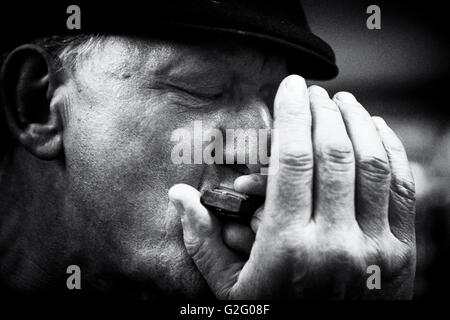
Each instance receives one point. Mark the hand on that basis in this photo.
(341, 200)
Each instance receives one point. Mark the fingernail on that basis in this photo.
(242, 181)
(295, 82)
(346, 97)
(318, 91)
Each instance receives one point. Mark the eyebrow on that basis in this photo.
(206, 67)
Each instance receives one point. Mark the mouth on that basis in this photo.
(231, 205)
(215, 176)
(219, 196)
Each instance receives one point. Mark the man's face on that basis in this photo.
(123, 103)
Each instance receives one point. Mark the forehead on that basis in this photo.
(118, 55)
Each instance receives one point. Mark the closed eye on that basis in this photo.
(201, 94)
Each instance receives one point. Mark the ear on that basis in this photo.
(29, 79)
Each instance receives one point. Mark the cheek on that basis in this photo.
(118, 158)
(119, 170)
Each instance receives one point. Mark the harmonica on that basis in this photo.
(230, 204)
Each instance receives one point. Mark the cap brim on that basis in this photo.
(302, 60)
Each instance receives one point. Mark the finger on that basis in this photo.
(238, 237)
(254, 184)
(372, 166)
(256, 219)
(203, 240)
(402, 193)
(333, 161)
(289, 190)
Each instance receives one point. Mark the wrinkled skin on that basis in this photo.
(96, 191)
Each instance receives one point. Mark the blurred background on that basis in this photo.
(401, 72)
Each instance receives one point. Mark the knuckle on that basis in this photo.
(287, 240)
(194, 246)
(296, 156)
(199, 253)
(343, 245)
(405, 191)
(404, 187)
(392, 257)
(375, 167)
(339, 153)
(346, 258)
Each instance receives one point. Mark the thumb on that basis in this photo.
(202, 235)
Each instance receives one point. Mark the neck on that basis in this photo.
(31, 209)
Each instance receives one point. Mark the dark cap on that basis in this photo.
(278, 23)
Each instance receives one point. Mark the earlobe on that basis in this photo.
(29, 79)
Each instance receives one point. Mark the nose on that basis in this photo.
(254, 114)
(247, 132)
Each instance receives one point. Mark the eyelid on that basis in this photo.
(196, 93)
(187, 99)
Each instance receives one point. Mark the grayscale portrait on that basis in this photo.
(223, 150)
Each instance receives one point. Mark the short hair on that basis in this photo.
(69, 49)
